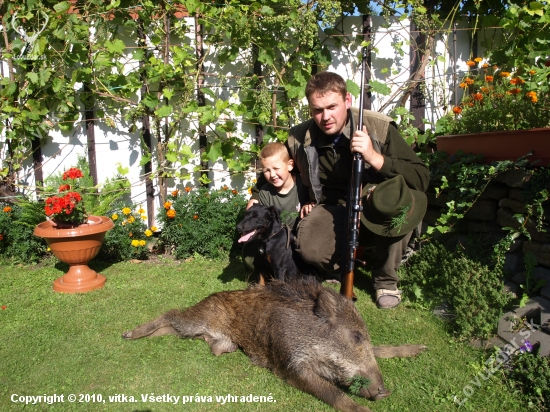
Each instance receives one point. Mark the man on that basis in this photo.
(322, 149)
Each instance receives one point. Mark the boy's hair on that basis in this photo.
(275, 148)
(325, 82)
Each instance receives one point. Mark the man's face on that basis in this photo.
(330, 111)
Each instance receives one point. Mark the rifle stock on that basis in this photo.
(354, 206)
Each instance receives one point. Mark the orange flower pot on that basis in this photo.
(505, 145)
(76, 246)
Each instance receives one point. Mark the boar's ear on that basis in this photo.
(326, 306)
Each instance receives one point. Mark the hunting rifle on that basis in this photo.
(354, 207)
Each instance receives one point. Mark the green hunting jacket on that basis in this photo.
(325, 168)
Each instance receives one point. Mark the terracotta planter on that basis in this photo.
(76, 246)
(505, 145)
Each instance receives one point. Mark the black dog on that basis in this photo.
(276, 258)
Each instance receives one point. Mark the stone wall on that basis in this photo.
(495, 209)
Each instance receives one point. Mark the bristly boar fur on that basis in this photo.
(309, 335)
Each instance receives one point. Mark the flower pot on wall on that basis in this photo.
(504, 145)
(76, 246)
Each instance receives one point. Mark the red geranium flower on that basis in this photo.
(73, 173)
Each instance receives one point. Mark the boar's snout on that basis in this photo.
(375, 392)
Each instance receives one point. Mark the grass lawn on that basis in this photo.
(53, 343)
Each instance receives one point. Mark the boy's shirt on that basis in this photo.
(289, 204)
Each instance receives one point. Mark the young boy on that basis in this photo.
(282, 190)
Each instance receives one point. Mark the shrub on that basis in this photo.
(17, 223)
(474, 291)
(201, 221)
(129, 237)
(529, 375)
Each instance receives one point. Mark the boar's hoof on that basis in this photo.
(375, 393)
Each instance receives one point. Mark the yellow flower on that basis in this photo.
(504, 74)
(135, 243)
(144, 217)
(148, 233)
(114, 216)
(250, 190)
(131, 219)
(478, 59)
(462, 85)
(154, 228)
(140, 211)
(126, 211)
(142, 242)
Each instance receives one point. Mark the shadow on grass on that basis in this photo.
(98, 266)
(235, 271)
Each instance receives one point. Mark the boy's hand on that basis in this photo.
(250, 203)
(361, 143)
(306, 209)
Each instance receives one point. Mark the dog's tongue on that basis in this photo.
(245, 238)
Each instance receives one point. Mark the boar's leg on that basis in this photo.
(397, 351)
(190, 323)
(158, 327)
(308, 381)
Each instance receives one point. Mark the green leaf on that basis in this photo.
(214, 151)
(150, 101)
(164, 111)
(172, 156)
(168, 93)
(62, 7)
(353, 88)
(379, 88)
(145, 158)
(116, 46)
(204, 179)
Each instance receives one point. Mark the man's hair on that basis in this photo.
(325, 82)
(275, 149)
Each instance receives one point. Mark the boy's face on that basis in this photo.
(277, 171)
(330, 111)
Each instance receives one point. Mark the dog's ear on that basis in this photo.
(275, 213)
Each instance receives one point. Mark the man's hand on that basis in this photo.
(306, 209)
(361, 143)
(250, 203)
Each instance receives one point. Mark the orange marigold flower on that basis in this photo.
(489, 78)
(187, 189)
(457, 110)
(175, 192)
(485, 65)
(504, 74)
(478, 59)
(484, 89)
(195, 217)
(533, 96)
(469, 81)
(517, 80)
(234, 192)
(171, 213)
(471, 104)
(470, 63)
(462, 85)
(532, 72)
(7, 209)
(167, 205)
(477, 96)
(225, 187)
(1, 236)
(515, 90)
